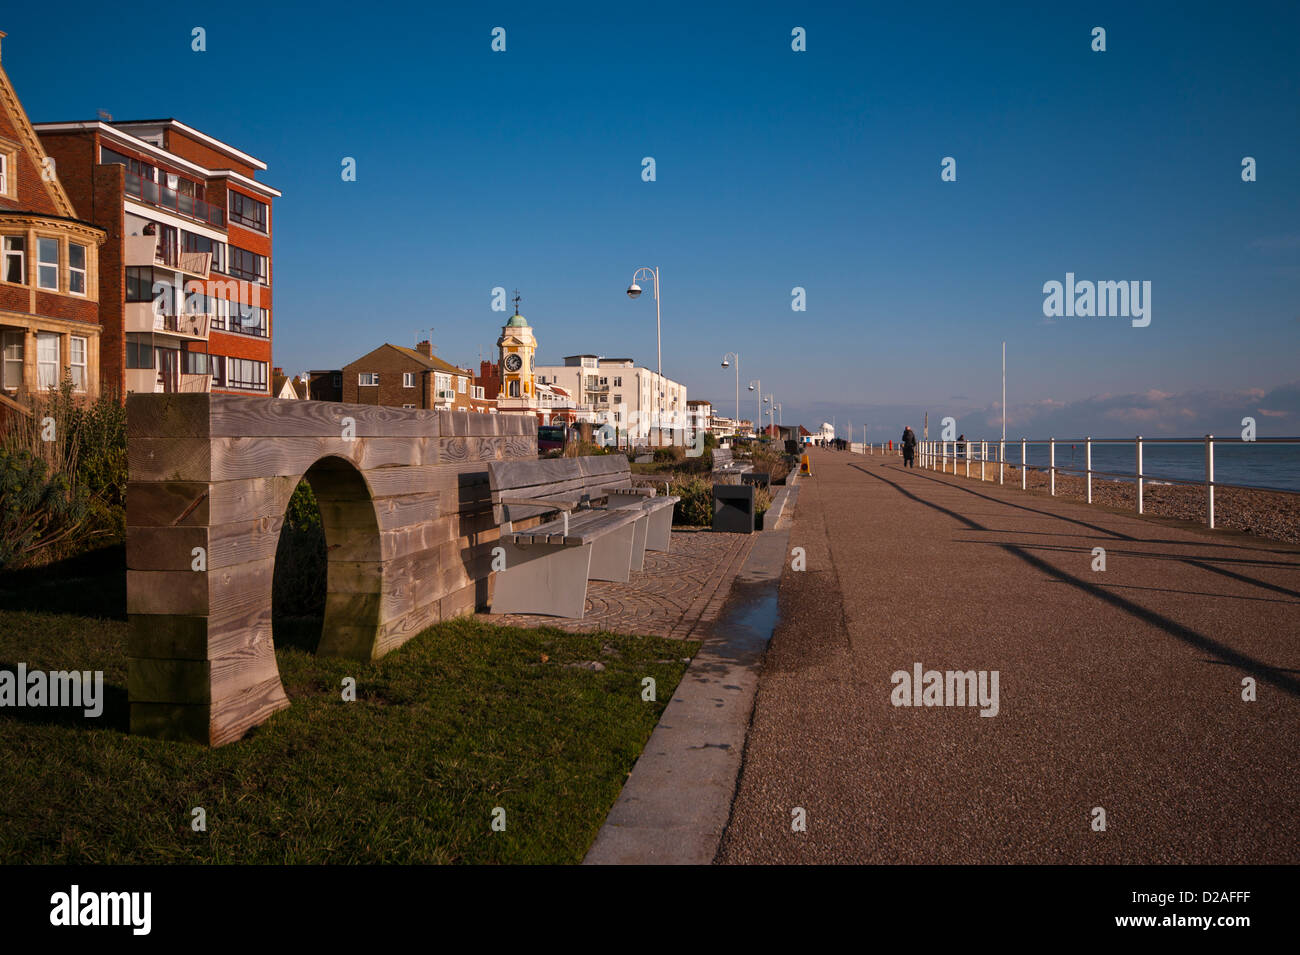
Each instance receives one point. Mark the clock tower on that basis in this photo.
(516, 347)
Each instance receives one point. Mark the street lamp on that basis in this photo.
(634, 292)
(758, 409)
(725, 363)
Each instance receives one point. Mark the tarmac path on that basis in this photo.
(1118, 689)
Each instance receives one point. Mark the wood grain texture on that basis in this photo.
(407, 511)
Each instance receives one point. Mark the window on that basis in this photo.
(442, 385)
(246, 374)
(246, 265)
(338, 381)
(76, 269)
(604, 381)
(47, 262)
(249, 320)
(367, 378)
(409, 406)
(201, 243)
(12, 372)
(408, 379)
(47, 360)
(139, 354)
(77, 362)
(4, 174)
(618, 399)
(460, 381)
(514, 389)
(247, 212)
(16, 259)
(196, 363)
(618, 381)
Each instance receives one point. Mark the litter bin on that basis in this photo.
(756, 478)
(791, 446)
(733, 508)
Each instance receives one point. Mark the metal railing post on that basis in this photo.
(1209, 478)
(984, 453)
(1002, 461)
(1051, 466)
(1024, 466)
(967, 457)
(1087, 464)
(1139, 472)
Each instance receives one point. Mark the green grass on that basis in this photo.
(464, 718)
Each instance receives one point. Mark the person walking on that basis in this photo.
(961, 445)
(909, 447)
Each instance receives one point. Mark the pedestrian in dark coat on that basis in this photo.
(909, 447)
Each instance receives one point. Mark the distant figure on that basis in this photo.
(961, 445)
(909, 447)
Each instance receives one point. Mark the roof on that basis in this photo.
(521, 323)
(803, 430)
(432, 362)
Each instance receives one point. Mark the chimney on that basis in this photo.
(425, 348)
(278, 371)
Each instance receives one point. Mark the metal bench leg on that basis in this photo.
(659, 535)
(543, 578)
(611, 553)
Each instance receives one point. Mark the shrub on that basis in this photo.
(41, 512)
(695, 509)
(301, 572)
(670, 455)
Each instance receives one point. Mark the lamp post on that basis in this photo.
(756, 386)
(634, 292)
(725, 363)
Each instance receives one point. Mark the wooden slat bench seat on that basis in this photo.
(725, 463)
(603, 527)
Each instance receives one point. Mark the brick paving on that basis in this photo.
(679, 594)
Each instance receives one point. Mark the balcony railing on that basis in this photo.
(161, 197)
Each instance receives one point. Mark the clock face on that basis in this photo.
(513, 362)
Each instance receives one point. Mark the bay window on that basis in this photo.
(47, 263)
(47, 360)
(77, 361)
(15, 264)
(76, 269)
(12, 372)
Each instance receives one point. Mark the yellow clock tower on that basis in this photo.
(517, 347)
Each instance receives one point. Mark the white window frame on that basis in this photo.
(460, 381)
(45, 362)
(4, 174)
(363, 375)
(41, 264)
(84, 271)
(411, 407)
(11, 343)
(408, 380)
(22, 258)
(78, 368)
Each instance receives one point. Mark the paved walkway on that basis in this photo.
(1118, 689)
(678, 594)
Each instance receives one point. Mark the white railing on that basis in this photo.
(937, 454)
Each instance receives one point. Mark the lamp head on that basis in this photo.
(725, 363)
(633, 290)
(751, 387)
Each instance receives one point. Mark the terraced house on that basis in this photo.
(49, 270)
(187, 269)
(409, 378)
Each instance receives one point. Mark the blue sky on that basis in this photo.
(775, 169)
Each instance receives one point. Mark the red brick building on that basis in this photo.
(187, 270)
(49, 270)
(408, 378)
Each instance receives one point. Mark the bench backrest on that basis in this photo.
(721, 457)
(552, 477)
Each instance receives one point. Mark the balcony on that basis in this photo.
(140, 317)
(160, 197)
(142, 250)
(152, 381)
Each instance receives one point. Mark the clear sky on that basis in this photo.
(775, 169)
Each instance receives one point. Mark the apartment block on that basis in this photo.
(615, 391)
(49, 270)
(187, 267)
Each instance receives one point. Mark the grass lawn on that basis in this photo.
(462, 719)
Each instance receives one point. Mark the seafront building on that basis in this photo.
(49, 271)
(186, 271)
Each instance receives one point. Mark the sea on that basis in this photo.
(1265, 466)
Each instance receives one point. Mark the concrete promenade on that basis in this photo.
(1119, 689)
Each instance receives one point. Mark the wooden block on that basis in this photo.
(167, 503)
(165, 548)
(349, 641)
(183, 592)
(406, 510)
(167, 636)
(356, 577)
(169, 459)
(239, 416)
(171, 721)
(394, 633)
(151, 680)
(458, 604)
(168, 415)
(234, 715)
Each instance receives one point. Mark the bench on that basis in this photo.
(725, 463)
(604, 526)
